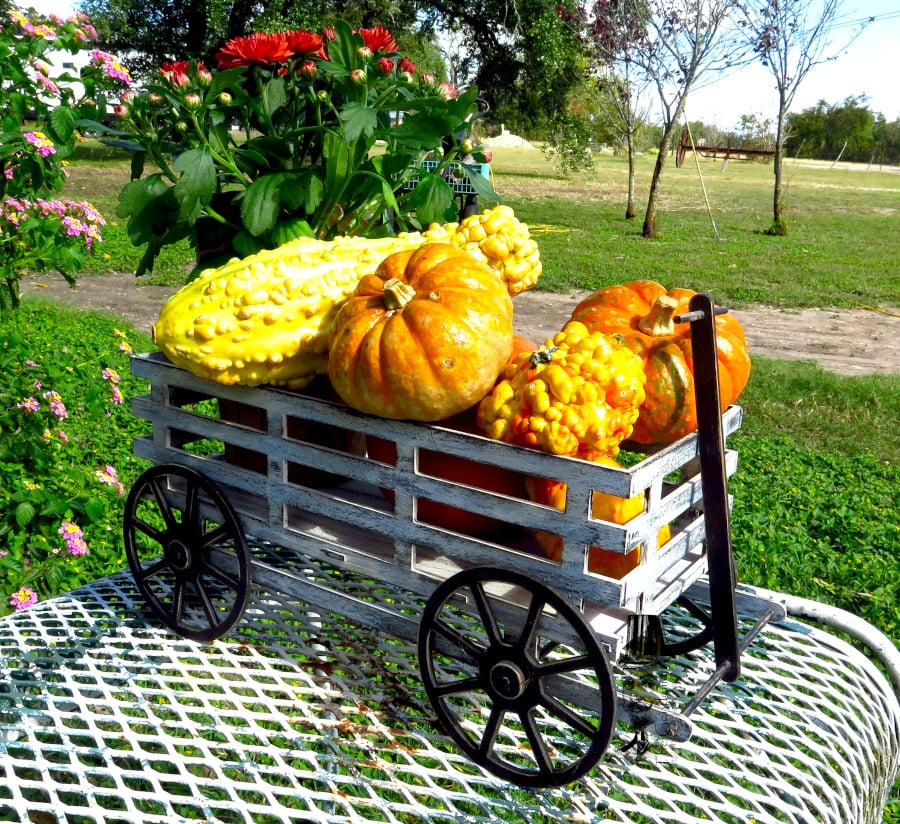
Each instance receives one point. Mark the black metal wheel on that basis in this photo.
(519, 702)
(649, 636)
(187, 551)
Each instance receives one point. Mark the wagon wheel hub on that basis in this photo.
(178, 554)
(508, 680)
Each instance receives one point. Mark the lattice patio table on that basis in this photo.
(296, 716)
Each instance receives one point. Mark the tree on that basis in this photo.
(683, 42)
(791, 38)
(612, 28)
(165, 30)
(522, 56)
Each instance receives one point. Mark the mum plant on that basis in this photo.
(42, 112)
(292, 133)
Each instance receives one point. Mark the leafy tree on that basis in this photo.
(612, 28)
(791, 37)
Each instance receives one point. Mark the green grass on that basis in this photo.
(818, 488)
(841, 249)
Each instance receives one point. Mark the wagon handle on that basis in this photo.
(711, 448)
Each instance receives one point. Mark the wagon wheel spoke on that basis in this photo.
(569, 716)
(489, 736)
(457, 687)
(538, 743)
(565, 665)
(162, 501)
(486, 613)
(151, 532)
(153, 570)
(530, 625)
(459, 640)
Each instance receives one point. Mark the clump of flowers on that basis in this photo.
(278, 139)
(39, 231)
(59, 492)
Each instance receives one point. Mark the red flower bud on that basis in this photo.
(225, 98)
(308, 68)
(406, 65)
(385, 65)
(193, 101)
(358, 76)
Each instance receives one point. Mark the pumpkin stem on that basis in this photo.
(658, 321)
(397, 294)
(543, 355)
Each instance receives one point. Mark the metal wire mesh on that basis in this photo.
(303, 717)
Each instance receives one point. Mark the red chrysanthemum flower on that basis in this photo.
(304, 43)
(259, 47)
(378, 39)
(176, 72)
(406, 65)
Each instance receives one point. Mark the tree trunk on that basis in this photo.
(630, 210)
(779, 223)
(650, 229)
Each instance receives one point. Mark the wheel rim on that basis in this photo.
(495, 677)
(187, 552)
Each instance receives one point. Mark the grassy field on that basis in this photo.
(818, 488)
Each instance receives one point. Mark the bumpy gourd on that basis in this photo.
(580, 391)
(604, 507)
(266, 319)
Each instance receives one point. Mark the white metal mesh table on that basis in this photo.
(300, 717)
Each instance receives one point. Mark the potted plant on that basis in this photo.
(291, 133)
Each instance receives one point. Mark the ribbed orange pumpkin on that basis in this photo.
(423, 338)
(641, 314)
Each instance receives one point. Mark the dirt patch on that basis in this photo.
(849, 342)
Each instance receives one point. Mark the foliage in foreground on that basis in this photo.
(65, 449)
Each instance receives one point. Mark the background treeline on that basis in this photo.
(526, 59)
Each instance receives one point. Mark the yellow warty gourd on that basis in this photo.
(266, 319)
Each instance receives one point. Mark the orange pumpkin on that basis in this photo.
(460, 470)
(641, 314)
(423, 338)
(604, 507)
(483, 476)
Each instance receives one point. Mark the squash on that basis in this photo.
(459, 470)
(423, 338)
(580, 391)
(641, 314)
(604, 507)
(265, 319)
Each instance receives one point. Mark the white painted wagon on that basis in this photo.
(508, 640)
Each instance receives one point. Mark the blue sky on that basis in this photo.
(870, 66)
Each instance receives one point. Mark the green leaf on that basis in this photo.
(197, 184)
(94, 508)
(432, 200)
(262, 203)
(338, 164)
(62, 123)
(24, 513)
(358, 119)
(303, 191)
(274, 95)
